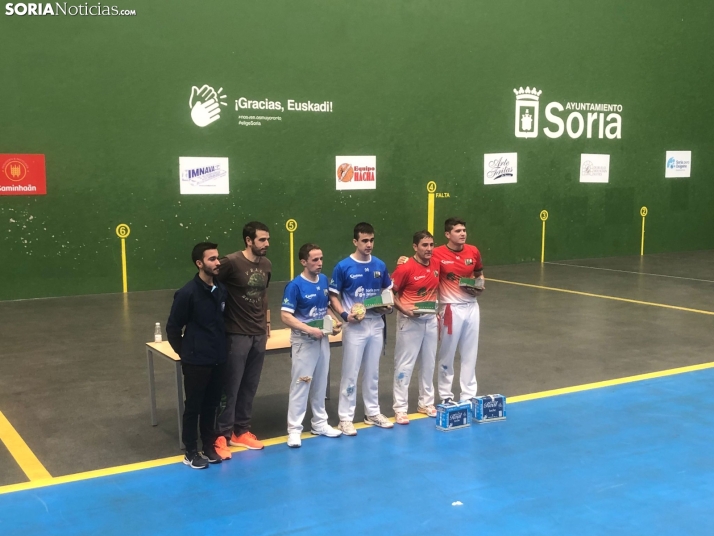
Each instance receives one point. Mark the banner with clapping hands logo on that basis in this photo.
(205, 103)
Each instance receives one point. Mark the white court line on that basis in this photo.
(630, 272)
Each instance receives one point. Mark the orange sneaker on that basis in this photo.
(222, 448)
(247, 440)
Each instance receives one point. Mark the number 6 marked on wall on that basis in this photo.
(123, 232)
(291, 226)
(543, 218)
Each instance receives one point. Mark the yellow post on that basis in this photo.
(291, 225)
(430, 188)
(123, 232)
(543, 218)
(643, 213)
(123, 265)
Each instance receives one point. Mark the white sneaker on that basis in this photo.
(294, 440)
(326, 430)
(347, 428)
(378, 420)
(429, 411)
(401, 417)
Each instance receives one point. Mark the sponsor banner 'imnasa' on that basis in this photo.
(500, 168)
(678, 164)
(356, 172)
(576, 119)
(203, 175)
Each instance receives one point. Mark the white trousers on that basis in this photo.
(361, 343)
(465, 318)
(311, 362)
(416, 338)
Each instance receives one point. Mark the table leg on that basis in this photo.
(179, 402)
(152, 386)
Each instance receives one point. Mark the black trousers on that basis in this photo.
(203, 386)
(246, 354)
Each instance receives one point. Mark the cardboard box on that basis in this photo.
(324, 324)
(471, 282)
(385, 299)
(453, 416)
(489, 408)
(426, 307)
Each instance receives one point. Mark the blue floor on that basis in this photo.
(631, 459)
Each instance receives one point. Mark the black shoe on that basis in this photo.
(447, 402)
(195, 461)
(210, 455)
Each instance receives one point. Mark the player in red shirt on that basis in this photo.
(415, 287)
(458, 309)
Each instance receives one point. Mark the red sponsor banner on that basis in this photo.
(22, 174)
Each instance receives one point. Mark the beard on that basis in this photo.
(258, 252)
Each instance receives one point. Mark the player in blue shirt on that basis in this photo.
(305, 300)
(356, 278)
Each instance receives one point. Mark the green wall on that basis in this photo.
(425, 86)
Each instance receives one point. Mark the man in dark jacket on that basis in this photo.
(198, 307)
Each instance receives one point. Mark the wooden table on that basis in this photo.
(279, 342)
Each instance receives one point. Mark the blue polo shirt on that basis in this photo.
(305, 299)
(355, 281)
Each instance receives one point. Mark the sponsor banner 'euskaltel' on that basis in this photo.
(577, 119)
(205, 104)
(68, 9)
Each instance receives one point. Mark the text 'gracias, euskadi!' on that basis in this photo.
(292, 106)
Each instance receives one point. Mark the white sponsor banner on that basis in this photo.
(594, 168)
(500, 168)
(203, 175)
(577, 119)
(356, 172)
(205, 104)
(678, 164)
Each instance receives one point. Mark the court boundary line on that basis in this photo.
(629, 272)
(604, 296)
(121, 469)
(609, 383)
(21, 453)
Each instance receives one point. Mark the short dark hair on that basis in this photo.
(453, 222)
(363, 228)
(421, 235)
(200, 249)
(305, 249)
(250, 230)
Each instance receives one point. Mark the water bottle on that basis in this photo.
(157, 332)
